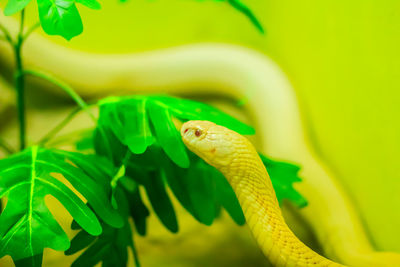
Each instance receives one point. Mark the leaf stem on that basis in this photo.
(135, 256)
(21, 28)
(69, 137)
(7, 35)
(30, 30)
(121, 171)
(61, 125)
(65, 87)
(239, 6)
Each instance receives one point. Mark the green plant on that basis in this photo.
(134, 147)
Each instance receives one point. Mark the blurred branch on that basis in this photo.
(7, 35)
(61, 125)
(65, 87)
(30, 30)
(239, 6)
(69, 137)
(6, 147)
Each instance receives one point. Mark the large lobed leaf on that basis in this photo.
(57, 17)
(26, 224)
(111, 247)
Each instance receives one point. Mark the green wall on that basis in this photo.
(341, 56)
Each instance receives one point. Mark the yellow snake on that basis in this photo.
(238, 161)
(227, 70)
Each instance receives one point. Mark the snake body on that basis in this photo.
(237, 159)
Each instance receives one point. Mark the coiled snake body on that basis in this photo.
(237, 159)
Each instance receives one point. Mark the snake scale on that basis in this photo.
(238, 161)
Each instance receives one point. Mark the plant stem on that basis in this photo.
(20, 83)
(31, 29)
(121, 172)
(19, 79)
(65, 87)
(61, 125)
(7, 35)
(69, 137)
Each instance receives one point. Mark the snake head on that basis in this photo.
(211, 142)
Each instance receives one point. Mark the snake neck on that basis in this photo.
(250, 180)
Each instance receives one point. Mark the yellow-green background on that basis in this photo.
(341, 56)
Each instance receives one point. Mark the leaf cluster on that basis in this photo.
(140, 134)
(138, 155)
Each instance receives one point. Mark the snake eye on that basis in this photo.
(198, 132)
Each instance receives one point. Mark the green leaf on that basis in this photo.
(192, 110)
(85, 143)
(283, 175)
(139, 211)
(160, 201)
(111, 247)
(167, 135)
(14, 6)
(137, 130)
(80, 241)
(60, 17)
(112, 116)
(238, 5)
(226, 196)
(92, 165)
(106, 143)
(96, 188)
(138, 122)
(129, 122)
(154, 185)
(26, 178)
(194, 188)
(93, 4)
(34, 261)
